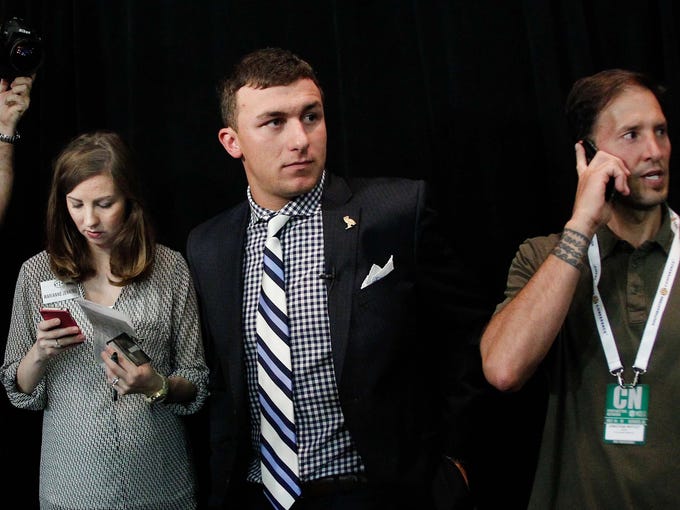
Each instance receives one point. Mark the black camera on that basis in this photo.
(21, 49)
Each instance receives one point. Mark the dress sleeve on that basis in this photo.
(189, 358)
(21, 337)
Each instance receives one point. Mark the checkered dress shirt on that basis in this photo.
(324, 443)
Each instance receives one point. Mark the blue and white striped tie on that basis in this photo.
(278, 436)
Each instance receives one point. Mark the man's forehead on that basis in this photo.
(301, 92)
(631, 106)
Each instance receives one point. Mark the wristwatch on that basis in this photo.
(161, 394)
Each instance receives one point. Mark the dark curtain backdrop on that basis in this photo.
(466, 94)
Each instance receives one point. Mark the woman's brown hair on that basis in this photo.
(132, 253)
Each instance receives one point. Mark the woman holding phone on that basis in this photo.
(113, 436)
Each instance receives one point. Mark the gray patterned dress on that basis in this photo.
(98, 453)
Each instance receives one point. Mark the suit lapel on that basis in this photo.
(341, 227)
(226, 298)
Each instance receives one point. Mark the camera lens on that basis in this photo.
(25, 56)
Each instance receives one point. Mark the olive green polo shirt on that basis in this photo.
(576, 468)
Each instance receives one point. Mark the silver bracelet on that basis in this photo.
(10, 139)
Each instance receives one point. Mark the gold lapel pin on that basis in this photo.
(349, 222)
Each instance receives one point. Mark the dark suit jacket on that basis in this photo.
(387, 352)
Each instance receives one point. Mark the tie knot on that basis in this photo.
(275, 224)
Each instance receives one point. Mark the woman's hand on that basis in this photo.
(52, 340)
(127, 378)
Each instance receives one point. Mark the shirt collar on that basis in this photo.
(306, 204)
(608, 240)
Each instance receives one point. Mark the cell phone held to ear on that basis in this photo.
(63, 314)
(130, 349)
(591, 150)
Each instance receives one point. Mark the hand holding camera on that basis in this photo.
(21, 54)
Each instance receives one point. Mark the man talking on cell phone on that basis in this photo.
(595, 312)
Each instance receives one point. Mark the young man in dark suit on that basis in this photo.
(366, 275)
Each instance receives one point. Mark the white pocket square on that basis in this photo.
(377, 272)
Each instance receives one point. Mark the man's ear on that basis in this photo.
(229, 140)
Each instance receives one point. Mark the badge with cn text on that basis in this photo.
(56, 290)
(625, 419)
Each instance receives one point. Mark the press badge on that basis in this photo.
(625, 420)
(56, 290)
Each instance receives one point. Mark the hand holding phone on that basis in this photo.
(591, 150)
(130, 349)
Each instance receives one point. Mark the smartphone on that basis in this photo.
(62, 314)
(591, 150)
(132, 351)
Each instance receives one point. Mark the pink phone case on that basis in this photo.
(62, 314)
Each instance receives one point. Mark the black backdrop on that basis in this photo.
(467, 94)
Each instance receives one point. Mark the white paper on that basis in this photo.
(107, 323)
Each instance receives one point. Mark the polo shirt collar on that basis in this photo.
(663, 238)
